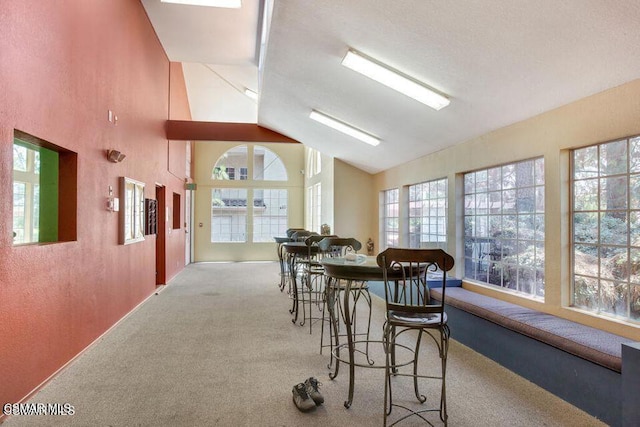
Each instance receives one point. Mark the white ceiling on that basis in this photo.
(499, 62)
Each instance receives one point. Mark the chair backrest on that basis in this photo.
(301, 235)
(313, 241)
(406, 273)
(339, 246)
(290, 231)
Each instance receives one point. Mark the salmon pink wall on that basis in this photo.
(63, 66)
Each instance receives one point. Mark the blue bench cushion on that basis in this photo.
(583, 341)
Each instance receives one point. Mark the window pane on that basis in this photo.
(19, 203)
(634, 228)
(635, 303)
(613, 158)
(585, 260)
(614, 263)
(19, 158)
(613, 193)
(614, 298)
(231, 165)
(267, 165)
(634, 187)
(585, 195)
(495, 178)
(469, 183)
(585, 163)
(613, 228)
(585, 292)
(585, 227)
(634, 155)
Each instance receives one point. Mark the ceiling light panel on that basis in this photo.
(230, 4)
(344, 128)
(394, 79)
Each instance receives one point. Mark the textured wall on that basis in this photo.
(63, 66)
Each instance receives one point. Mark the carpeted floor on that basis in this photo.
(217, 347)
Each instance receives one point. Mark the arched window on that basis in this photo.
(251, 211)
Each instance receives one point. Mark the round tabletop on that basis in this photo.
(362, 268)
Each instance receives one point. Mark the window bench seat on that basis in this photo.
(578, 363)
(583, 341)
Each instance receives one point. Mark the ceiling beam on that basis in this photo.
(187, 130)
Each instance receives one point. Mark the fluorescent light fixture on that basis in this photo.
(251, 94)
(232, 4)
(394, 79)
(344, 128)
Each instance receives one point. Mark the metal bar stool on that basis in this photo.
(410, 308)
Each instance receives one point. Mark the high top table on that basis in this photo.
(363, 268)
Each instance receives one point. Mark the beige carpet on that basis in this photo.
(217, 347)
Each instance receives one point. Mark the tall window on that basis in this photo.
(269, 214)
(504, 226)
(314, 162)
(314, 207)
(44, 202)
(606, 228)
(428, 214)
(390, 218)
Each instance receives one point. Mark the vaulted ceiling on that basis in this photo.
(499, 62)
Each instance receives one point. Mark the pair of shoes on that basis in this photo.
(312, 390)
(301, 398)
(306, 395)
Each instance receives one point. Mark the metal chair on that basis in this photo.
(340, 247)
(312, 289)
(409, 307)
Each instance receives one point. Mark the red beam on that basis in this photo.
(186, 130)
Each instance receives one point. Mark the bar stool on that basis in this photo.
(312, 289)
(410, 308)
(340, 247)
